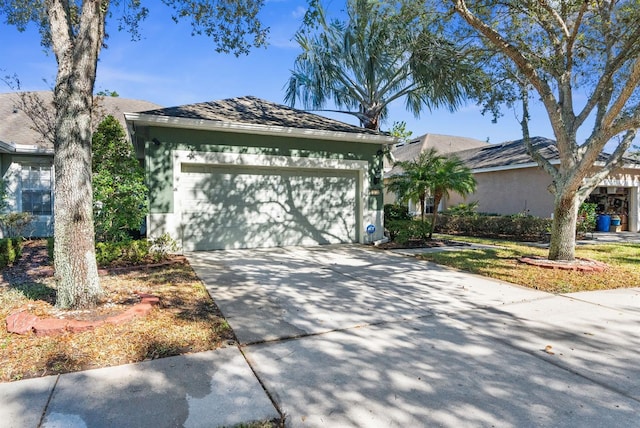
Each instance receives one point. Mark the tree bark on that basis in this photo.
(76, 49)
(437, 197)
(78, 285)
(563, 232)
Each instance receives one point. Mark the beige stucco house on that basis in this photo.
(510, 182)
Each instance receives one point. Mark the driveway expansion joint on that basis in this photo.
(46, 406)
(264, 387)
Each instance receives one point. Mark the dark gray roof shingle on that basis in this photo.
(255, 111)
(507, 154)
(514, 153)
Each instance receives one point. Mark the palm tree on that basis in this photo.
(450, 174)
(431, 174)
(415, 183)
(383, 52)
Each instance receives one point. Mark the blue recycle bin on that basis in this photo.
(603, 223)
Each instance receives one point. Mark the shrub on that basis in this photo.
(162, 246)
(135, 251)
(469, 209)
(122, 252)
(119, 191)
(396, 212)
(586, 218)
(407, 230)
(14, 224)
(50, 244)
(10, 250)
(394, 217)
(524, 228)
(108, 252)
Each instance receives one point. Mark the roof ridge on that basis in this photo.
(425, 142)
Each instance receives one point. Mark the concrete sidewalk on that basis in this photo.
(207, 389)
(349, 336)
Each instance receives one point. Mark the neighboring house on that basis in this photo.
(26, 155)
(410, 150)
(510, 182)
(244, 172)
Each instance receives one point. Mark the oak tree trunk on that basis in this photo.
(74, 254)
(563, 232)
(76, 44)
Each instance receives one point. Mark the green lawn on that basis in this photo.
(502, 264)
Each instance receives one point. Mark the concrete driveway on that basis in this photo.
(352, 336)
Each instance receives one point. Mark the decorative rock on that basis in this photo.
(50, 326)
(20, 322)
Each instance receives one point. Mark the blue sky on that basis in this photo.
(170, 67)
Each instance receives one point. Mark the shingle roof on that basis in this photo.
(255, 111)
(514, 153)
(444, 144)
(507, 154)
(17, 128)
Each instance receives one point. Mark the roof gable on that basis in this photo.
(444, 144)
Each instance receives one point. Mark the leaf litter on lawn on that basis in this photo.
(187, 320)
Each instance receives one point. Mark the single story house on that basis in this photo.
(235, 173)
(26, 151)
(245, 172)
(510, 182)
(411, 149)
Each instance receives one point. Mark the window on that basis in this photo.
(428, 205)
(36, 189)
(414, 207)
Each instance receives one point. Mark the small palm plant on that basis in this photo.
(431, 174)
(414, 184)
(450, 174)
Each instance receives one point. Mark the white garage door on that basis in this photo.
(224, 207)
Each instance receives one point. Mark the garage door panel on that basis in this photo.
(203, 232)
(240, 207)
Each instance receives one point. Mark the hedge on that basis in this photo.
(523, 228)
(129, 251)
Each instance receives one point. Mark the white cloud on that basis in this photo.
(298, 12)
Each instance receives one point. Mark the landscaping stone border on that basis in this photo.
(22, 322)
(579, 264)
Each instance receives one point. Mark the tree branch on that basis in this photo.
(626, 92)
(525, 67)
